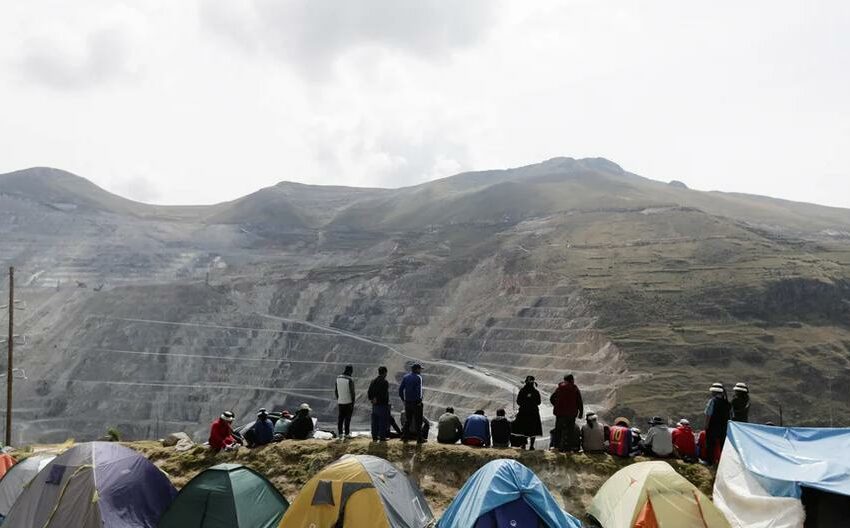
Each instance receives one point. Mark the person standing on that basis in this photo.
(527, 421)
(411, 393)
(379, 395)
(567, 406)
(740, 403)
(717, 412)
(344, 391)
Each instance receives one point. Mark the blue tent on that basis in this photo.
(765, 470)
(505, 493)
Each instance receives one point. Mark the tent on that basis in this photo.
(505, 494)
(94, 485)
(17, 478)
(226, 496)
(358, 491)
(653, 495)
(6, 463)
(784, 477)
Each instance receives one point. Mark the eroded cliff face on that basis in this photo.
(156, 319)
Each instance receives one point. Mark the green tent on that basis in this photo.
(226, 496)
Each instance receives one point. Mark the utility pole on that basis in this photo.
(9, 373)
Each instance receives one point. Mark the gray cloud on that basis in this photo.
(104, 57)
(313, 33)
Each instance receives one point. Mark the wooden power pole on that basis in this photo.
(11, 355)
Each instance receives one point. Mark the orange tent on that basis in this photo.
(6, 462)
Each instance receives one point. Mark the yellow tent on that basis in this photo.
(653, 495)
(358, 491)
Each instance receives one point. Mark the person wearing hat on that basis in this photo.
(344, 392)
(261, 431)
(740, 403)
(527, 423)
(659, 440)
(592, 435)
(684, 441)
(411, 393)
(221, 433)
(301, 427)
(567, 406)
(717, 412)
(281, 426)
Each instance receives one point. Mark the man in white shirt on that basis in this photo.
(344, 391)
(659, 439)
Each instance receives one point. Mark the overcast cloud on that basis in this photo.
(205, 100)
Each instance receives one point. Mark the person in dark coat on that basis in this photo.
(301, 427)
(379, 395)
(740, 403)
(527, 422)
(567, 406)
(500, 430)
(411, 393)
(717, 412)
(261, 431)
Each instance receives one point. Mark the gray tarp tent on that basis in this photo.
(17, 478)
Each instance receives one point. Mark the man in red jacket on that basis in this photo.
(684, 441)
(568, 406)
(221, 433)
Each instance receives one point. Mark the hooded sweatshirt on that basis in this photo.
(566, 400)
(344, 389)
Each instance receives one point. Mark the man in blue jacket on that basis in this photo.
(476, 430)
(410, 392)
(261, 431)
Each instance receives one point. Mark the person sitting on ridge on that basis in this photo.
(684, 441)
(301, 427)
(740, 403)
(659, 441)
(592, 435)
(221, 433)
(261, 431)
(281, 426)
(449, 428)
(500, 429)
(476, 430)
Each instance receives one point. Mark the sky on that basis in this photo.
(201, 101)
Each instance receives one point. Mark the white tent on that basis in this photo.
(765, 473)
(17, 478)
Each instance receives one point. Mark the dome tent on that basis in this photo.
(17, 478)
(226, 496)
(652, 494)
(358, 491)
(94, 485)
(505, 493)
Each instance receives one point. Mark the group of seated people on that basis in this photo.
(620, 439)
(476, 431)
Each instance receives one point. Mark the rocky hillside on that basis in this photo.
(154, 318)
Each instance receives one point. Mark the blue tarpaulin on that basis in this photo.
(498, 483)
(784, 459)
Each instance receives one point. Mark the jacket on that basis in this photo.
(740, 407)
(301, 427)
(263, 431)
(449, 429)
(684, 441)
(410, 389)
(379, 391)
(477, 430)
(659, 440)
(593, 438)
(344, 389)
(717, 412)
(281, 426)
(500, 431)
(221, 435)
(566, 400)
